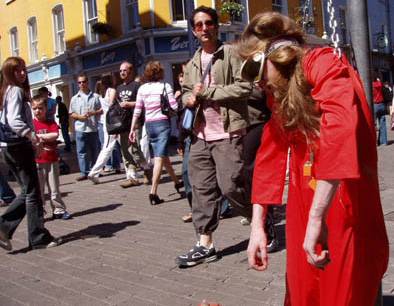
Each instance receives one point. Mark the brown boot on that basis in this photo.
(129, 183)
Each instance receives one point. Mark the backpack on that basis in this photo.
(118, 119)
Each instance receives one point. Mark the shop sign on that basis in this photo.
(170, 44)
(109, 56)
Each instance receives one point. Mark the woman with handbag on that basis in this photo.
(156, 98)
(18, 138)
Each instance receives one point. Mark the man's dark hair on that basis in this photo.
(207, 10)
(82, 75)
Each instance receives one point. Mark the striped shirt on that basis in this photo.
(148, 99)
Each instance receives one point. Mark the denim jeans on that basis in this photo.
(380, 116)
(20, 159)
(87, 150)
(6, 193)
(66, 137)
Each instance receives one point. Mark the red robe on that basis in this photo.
(345, 151)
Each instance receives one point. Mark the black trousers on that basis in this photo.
(20, 159)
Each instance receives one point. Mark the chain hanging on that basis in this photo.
(333, 26)
(306, 19)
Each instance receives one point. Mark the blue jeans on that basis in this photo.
(6, 193)
(20, 159)
(87, 150)
(380, 116)
(66, 137)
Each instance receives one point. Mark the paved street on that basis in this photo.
(119, 250)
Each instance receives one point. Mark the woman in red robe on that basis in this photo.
(337, 247)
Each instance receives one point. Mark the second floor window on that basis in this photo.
(178, 10)
(58, 28)
(277, 5)
(132, 14)
(14, 41)
(32, 29)
(91, 18)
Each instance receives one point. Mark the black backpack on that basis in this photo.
(118, 119)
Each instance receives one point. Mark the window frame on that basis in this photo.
(33, 41)
(91, 38)
(178, 21)
(129, 8)
(14, 41)
(58, 34)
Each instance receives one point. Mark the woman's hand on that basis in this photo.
(316, 234)
(257, 248)
(132, 136)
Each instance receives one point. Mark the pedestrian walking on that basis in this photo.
(379, 110)
(157, 124)
(85, 108)
(337, 247)
(62, 115)
(213, 86)
(19, 141)
(107, 93)
(131, 152)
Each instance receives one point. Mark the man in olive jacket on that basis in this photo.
(213, 86)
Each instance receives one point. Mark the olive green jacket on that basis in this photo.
(230, 91)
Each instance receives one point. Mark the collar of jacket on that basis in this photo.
(197, 56)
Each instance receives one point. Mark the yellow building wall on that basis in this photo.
(18, 12)
(145, 13)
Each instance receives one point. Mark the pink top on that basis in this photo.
(212, 129)
(148, 98)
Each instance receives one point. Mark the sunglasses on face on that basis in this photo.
(252, 68)
(82, 82)
(208, 23)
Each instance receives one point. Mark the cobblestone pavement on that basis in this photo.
(119, 250)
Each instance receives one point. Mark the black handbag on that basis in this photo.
(165, 106)
(118, 119)
(7, 135)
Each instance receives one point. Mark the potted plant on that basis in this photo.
(232, 9)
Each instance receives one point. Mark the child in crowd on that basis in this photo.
(47, 157)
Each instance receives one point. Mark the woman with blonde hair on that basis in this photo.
(337, 248)
(157, 124)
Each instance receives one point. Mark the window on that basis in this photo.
(58, 27)
(91, 18)
(178, 10)
(277, 5)
(342, 25)
(132, 18)
(32, 30)
(14, 41)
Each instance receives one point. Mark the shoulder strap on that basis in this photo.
(207, 70)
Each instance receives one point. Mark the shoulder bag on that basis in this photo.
(165, 106)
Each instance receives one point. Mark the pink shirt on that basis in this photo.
(148, 98)
(213, 128)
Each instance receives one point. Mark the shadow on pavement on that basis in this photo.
(96, 209)
(103, 230)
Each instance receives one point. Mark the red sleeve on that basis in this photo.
(270, 166)
(333, 89)
(53, 127)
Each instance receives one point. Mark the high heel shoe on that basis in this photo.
(179, 186)
(154, 199)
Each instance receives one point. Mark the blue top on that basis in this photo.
(82, 103)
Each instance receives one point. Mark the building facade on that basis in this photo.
(61, 38)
